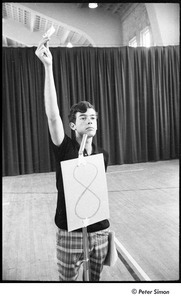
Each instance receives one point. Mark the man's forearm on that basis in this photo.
(50, 96)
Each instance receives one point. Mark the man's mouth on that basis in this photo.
(90, 128)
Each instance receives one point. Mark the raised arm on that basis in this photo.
(50, 97)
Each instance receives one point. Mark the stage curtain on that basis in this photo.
(135, 91)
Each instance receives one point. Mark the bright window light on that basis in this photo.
(145, 37)
(69, 45)
(133, 42)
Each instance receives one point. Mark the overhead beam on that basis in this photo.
(25, 36)
(63, 37)
(126, 12)
(32, 22)
(164, 20)
(117, 7)
(106, 6)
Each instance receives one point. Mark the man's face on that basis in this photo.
(86, 123)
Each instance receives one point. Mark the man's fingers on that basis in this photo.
(42, 51)
(43, 42)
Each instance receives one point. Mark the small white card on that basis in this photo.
(49, 32)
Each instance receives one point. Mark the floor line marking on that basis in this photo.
(111, 172)
(148, 189)
(140, 270)
(128, 266)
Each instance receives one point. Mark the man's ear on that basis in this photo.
(72, 125)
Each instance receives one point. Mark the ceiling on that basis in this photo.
(23, 17)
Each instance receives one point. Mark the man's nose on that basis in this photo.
(89, 120)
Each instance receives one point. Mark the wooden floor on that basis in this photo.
(144, 210)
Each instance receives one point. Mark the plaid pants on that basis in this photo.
(70, 253)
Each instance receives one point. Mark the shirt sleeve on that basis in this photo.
(59, 151)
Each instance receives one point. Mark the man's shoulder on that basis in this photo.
(66, 149)
(66, 140)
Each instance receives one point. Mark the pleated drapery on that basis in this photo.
(134, 90)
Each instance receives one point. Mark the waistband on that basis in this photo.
(65, 233)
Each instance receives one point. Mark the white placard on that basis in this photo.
(85, 189)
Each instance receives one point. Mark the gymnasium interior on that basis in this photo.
(123, 58)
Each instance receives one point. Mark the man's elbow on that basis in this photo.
(53, 118)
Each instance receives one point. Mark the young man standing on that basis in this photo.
(82, 119)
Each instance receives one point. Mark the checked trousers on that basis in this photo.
(70, 253)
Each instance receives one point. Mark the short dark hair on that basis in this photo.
(82, 107)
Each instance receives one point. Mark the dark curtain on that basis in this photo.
(135, 91)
